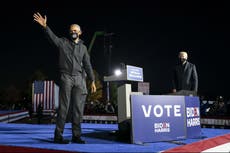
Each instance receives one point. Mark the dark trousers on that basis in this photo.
(71, 89)
(69, 115)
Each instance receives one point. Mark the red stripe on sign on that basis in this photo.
(201, 145)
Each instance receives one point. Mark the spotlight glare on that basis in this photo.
(117, 72)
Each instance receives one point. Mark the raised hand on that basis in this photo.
(39, 19)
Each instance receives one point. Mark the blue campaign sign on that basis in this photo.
(157, 118)
(192, 110)
(134, 73)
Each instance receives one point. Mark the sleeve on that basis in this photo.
(87, 66)
(52, 37)
(195, 78)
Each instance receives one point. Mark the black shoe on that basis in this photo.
(61, 141)
(78, 140)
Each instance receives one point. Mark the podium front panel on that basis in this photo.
(157, 118)
(192, 111)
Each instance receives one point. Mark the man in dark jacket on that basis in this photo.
(73, 58)
(185, 78)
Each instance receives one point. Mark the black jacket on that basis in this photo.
(73, 57)
(185, 78)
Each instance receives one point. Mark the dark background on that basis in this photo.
(147, 35)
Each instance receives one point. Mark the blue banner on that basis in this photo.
(134, 73)
(157, 118)
(192, 110)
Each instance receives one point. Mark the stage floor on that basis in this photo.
(99, 138)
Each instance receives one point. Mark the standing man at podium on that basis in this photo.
(73, 58)
(185, 78)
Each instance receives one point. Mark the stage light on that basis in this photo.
(117, 72)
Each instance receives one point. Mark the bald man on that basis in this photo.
(185, 76)
(73, 60)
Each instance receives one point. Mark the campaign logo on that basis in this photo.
(161, 127)
(193, 111)
(193, 116)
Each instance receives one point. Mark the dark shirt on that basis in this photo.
(73, 57)
(185, 77)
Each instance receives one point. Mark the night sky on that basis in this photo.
(147, 35)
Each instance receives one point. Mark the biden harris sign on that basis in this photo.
(161, 118)
(192, 117)
(134, 73)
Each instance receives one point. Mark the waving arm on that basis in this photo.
(43, 22)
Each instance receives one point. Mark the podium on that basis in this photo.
(164, 118)
(124, 104)
(184, 93)
(129, 74)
